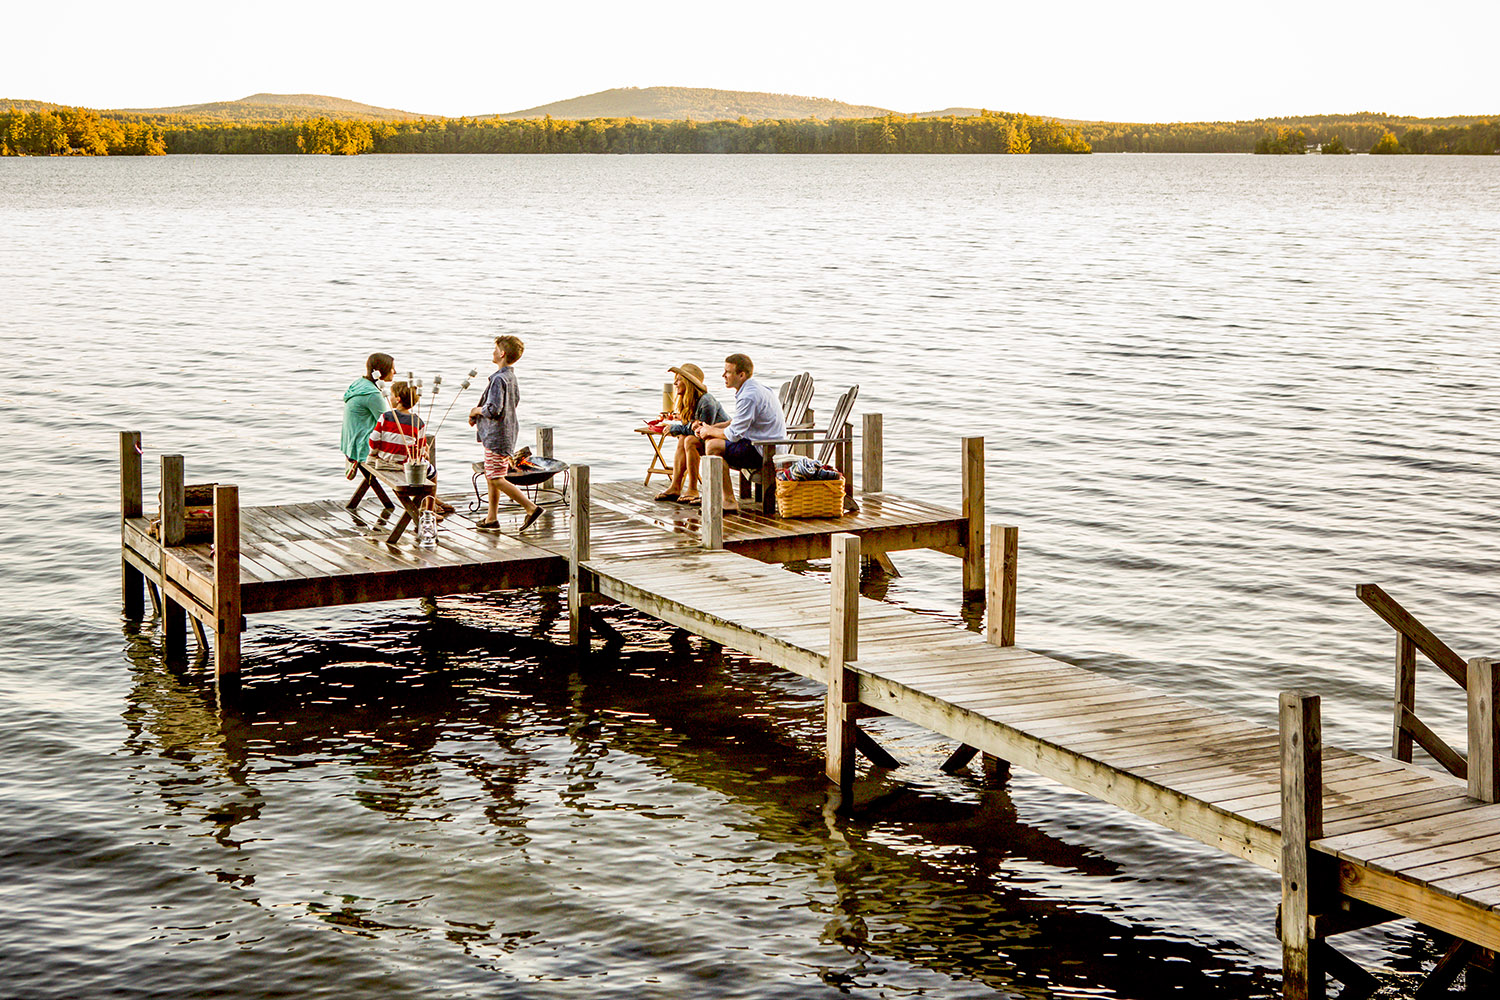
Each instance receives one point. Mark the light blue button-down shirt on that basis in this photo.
(757, 414)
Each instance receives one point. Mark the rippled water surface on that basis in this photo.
(1217, 393)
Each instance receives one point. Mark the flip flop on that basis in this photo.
(690, 499)
(531, 518)
(665, 495)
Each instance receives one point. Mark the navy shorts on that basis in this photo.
(742, 454)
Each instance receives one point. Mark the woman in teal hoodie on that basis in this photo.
(363, 405)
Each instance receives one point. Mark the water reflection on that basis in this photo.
(461, 733)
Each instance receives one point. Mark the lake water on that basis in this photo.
(1217, 393)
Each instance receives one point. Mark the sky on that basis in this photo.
(1147, 61)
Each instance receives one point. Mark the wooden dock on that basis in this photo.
(1358, 838)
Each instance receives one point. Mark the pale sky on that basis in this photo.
(1159, 60)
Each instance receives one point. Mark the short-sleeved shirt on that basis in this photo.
(757, 414)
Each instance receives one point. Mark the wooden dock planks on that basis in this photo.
(1406, 835)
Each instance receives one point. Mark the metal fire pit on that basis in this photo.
(532, 480)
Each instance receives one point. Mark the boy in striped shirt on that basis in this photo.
(400, 434)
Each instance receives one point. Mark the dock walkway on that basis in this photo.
(1406, 839)
(1357, 838)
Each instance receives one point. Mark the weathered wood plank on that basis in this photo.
(1484, 729)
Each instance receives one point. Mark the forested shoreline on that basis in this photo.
(75, 131)
(84, 132)
(1345, 133)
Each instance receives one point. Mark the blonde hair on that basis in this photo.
(512, 345)
(687, 400)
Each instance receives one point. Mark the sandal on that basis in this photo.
(690, 499)
(665, 495)
(536, 512)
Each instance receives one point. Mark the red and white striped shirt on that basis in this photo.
(397, 437)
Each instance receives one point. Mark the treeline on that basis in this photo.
(77, 132)
(1359, 134)
(88, 133)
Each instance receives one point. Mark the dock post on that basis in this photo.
(1306, 887)
(872, 455)
(711, 502)
(544, 442)
(1406, 695)
(132, 580)
(843, 648)
(173, 533)
(1484, 739)
(1000, 600)
(973, 511)
(228, 613)
(578, 554)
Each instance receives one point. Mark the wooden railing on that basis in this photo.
(1412, 636)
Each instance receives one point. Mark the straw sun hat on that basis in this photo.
(692, 373)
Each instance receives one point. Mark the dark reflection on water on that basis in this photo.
(470, 723)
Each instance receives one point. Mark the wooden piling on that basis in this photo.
(228, 611)
(544, 442)
(1406, 695)
(973, 511)
(1305, 883)
(578, 553)
(1484, 739)
(872, 455)
(711, 502)
(132, 581)
(843, 648)
(173, 532)
(1000, 600)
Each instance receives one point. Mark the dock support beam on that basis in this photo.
(843, 649)
(1000, 596)
(578, 554)
(173, 533)
(1306, 885)
(544, 442)
(1484, 738)
(228, 611)
(973, 511)
(872, 455)
(711, 502)
(132, 580)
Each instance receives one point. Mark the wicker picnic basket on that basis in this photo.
(810, 497)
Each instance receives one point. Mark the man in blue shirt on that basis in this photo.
(757, 417)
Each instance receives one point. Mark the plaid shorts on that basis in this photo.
(496, 466)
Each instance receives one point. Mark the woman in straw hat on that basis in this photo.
(692, 402)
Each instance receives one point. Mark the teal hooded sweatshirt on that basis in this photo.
(363, 405)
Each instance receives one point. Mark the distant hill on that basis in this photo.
(13, 104)
(274, 107)
(697, 103)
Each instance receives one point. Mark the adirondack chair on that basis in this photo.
(795, 397)
(834, 438)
